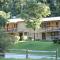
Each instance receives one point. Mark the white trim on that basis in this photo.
(51, 19)
(44, 19)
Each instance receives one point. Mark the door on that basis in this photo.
(21, 35)
(43, 36)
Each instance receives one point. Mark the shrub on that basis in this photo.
(59, 41)
(30, 38)
(56, 41)
(25, 37)
(6, 40)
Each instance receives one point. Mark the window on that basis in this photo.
(54, 33)
(25, 33)
(44, 25)
(15, 25)
(43, 36)
(48, 24)
(57, 24)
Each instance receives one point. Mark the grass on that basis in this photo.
(26, 59)
(36, 45)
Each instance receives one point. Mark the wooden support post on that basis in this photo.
(26, 53)
(57, 54)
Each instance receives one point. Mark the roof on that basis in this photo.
(44, 19)
(51, 19)
(15, 20)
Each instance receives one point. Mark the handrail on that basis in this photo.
(27, 52)
(32, 50)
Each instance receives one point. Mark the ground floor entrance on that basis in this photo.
(51, 35)
(21, 35)
(43, 36)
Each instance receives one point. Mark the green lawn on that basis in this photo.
(36, 45)
(26, 59)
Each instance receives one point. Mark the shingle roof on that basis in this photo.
(51, 19)
(15, 20)
(44, 19)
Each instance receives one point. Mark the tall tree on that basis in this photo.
(3, 18)
(6, 40)
(58, 7)
(53, 7)
(14, 6)
(33, 14)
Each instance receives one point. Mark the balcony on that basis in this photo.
(55, 37)
(49, 29)
(11, 30)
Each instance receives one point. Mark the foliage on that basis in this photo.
(24, 59)
(35, 10)
(14, 6)
(3, 14)
(2, 21)
(54, 6)
(6, 40)
(36, 45)
(56, 41)
(58, 7)
(3, 18)
(33, 14)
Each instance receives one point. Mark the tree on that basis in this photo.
(42, 1)
(58, 7)
(33, 13)
(13, 6)
(3, 18)
(6, 40)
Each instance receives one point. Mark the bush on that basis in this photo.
(37, 40)
(25, 37)
(59, 41)
(30, 38)
(6, 40)
(56, 41)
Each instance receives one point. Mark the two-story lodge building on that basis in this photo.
(50, 28)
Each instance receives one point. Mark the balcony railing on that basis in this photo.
(55, 37)
(50, 29)
(11, 30)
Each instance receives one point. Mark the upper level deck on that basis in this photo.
(48, 25)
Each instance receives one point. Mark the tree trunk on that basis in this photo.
(34, 34)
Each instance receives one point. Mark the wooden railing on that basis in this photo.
(11, 30)
(38, 51)
(48, 29)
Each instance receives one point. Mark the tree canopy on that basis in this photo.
(6, 40)
(14, 6)
(33, 13)
(3, 18)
